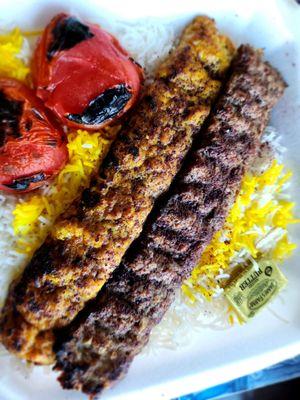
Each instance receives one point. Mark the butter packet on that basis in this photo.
(254, 287)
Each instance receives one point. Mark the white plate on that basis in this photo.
(212, 357)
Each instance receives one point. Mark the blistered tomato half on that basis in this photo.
(32, 145)
(83, 75)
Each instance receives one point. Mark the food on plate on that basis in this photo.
(32, 146)
(89, 240)
(256, 228)
(83, 75)
(99, 345)
(34, 216)
(229, 203)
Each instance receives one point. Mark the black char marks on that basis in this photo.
(105, 106)
(67, 33)
(10, 114)
(103, 341)
(24, 183)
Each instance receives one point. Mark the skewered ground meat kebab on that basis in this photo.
(90, 239)
(98, 347)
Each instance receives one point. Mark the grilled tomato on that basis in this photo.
(83, 74)
(32, 146)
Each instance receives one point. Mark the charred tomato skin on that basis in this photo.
(32, 145)
(83, 75)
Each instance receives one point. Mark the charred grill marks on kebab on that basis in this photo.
(98, 347)
(89, 240)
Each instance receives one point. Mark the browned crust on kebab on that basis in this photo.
(89, 240)
(99, 345)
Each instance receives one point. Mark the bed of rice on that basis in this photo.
(256, 226)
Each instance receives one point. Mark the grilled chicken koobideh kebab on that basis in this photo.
(89, 240)
(98, 347)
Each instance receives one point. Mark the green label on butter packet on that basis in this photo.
(254, 287)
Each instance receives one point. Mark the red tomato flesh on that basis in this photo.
(32, 145)
(83, 75)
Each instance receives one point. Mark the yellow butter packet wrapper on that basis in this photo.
(254, 287)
